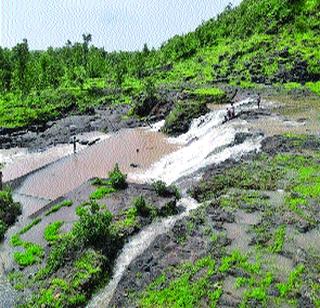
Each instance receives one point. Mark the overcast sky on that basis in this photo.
(114, 24)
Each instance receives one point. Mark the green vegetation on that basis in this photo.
(142, 208)
(117, 178)
(180, 118)
(248, 201)
(212, 95)
(32, 253)
(9, 211)
(191, 285)
(294, 282)
(51, 233)
(261, 42)
(166, 191)
(279, 239)
(57, 207)
(29, 226)
(85, 272)
(102, 192)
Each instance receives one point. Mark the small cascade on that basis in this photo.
(207, 142)
(135, 247)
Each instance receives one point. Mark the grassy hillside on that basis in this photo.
(259, 42)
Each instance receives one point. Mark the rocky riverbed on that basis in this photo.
(244, 214)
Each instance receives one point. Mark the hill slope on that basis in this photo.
(258, 42)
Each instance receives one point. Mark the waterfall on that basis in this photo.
(207, 142)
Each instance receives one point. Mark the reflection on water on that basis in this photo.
(137, 146)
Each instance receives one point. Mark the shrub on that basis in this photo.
(141, 206)
(93, 225)
(117, 178)
(9, 211)
(166, 191)
(160, 187)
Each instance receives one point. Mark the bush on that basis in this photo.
(141, 206)
(3, 229)
(93, 226)
(117, 178)
(160, 187)
(166, 191)
(9, 211)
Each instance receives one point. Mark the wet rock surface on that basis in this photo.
(109, 119)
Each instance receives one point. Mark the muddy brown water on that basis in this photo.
(19, 161)
(137, 146)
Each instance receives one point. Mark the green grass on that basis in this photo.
(279, 239)
(85, 269)
(213, 93)
(314, 87)
(57, 207)
(293, 283)
(191, 286)
(51, 232)
(30, 226)
(102, 192)
(33, 254)
(71, 291)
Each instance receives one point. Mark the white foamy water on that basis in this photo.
(135, 247)
(207, 142)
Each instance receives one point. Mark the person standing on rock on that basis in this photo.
(233, 111)
(74, 144)
(259, 100)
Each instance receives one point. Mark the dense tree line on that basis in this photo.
(24, 70)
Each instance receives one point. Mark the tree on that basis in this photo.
(120, 70)
(5, 70)
(145, 49)
(87, 38)
(21, 58)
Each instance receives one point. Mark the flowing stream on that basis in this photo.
(207, 142)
